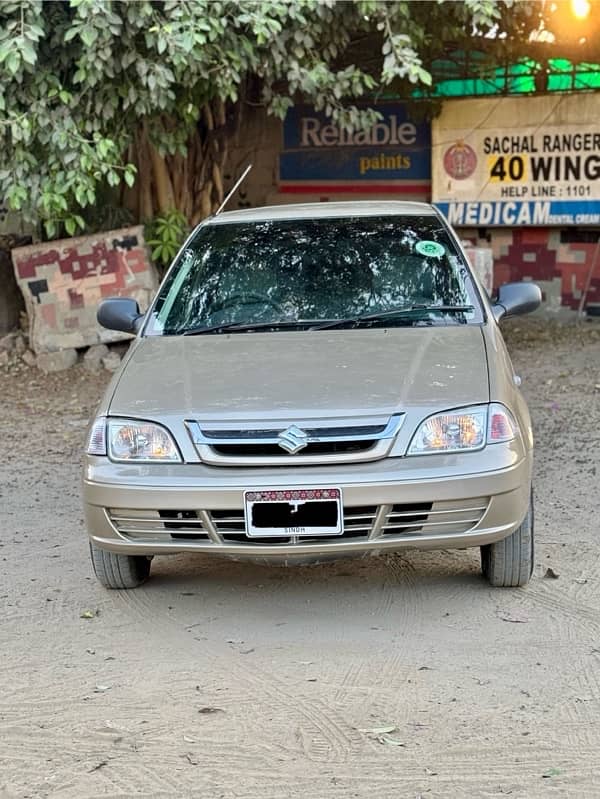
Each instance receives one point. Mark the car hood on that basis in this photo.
(299, 375)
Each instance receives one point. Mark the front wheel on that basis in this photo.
(509, 563)
(119, 571)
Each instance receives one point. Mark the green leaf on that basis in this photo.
(36, 31)
(103, 148)
(5, 49)
(28, 53)
(70, 226)
(88, 36)
(13, 62)
(71, 32)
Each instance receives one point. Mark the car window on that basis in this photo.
(314, 270)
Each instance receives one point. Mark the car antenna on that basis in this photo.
(231, 191)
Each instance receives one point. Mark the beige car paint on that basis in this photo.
(303, 374)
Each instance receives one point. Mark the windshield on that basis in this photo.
(306, 273)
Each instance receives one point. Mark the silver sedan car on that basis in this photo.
(310, 382)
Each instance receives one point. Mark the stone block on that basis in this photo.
(7, 343)
(112, 361)
(56, 361)
(92, 360)
(28, 358)
(20, 345)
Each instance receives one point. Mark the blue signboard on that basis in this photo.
(518, 212)
(393, 155)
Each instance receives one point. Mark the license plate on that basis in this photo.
(306, 511)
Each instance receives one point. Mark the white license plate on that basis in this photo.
(298, 511)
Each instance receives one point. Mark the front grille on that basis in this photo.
(360, 523)
(332, 441)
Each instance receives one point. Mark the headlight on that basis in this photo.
(130, 440)
(464, 429)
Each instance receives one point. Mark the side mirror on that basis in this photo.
(515, 299)
(120, 313)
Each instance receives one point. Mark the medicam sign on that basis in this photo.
(391, 157)
(518, 161)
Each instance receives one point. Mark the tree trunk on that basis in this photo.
(163, 186)
(130, 195)
(144, 181)
(191, 184)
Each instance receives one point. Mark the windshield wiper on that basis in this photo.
(244, 327)
(402, 311)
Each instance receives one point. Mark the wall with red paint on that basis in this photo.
(63, 281)
(548, 256)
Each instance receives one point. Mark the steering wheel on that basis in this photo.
(246, 299)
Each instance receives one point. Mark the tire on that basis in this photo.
(119, 571)
(509, 563)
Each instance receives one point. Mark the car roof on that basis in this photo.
(324, 210)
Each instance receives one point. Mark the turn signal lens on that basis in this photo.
(130, 440)
(96, 444)
(501, 425)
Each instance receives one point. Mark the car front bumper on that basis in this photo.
(471, 499)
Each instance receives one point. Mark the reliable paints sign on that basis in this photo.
(318, 157)
(518, 161)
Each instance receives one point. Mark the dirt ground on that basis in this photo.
(228, 680)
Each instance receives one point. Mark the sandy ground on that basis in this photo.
(229, 680)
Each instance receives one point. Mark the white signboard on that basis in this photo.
(518, 161)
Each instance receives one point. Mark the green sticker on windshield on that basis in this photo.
(431, 249)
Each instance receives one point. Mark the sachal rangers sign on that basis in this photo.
(489, 170)
(320, 157)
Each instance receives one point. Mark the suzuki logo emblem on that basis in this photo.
(293, 439)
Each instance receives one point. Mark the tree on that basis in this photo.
(144, 97)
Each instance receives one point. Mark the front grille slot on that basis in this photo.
(275, 451)
(183, 519)
(318, 432)
(407, 518)
(229, 522)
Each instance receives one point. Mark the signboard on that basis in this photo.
(318, 157)
(518, 161)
